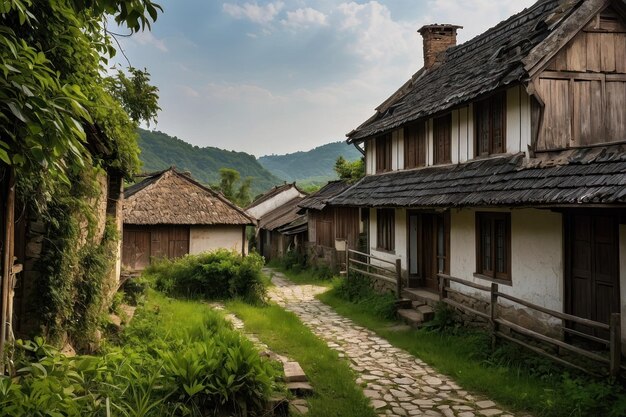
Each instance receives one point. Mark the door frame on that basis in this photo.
(445, 215)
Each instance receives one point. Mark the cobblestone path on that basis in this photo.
(397, 383)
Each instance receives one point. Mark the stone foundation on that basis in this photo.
(532, 320)
(324, 256)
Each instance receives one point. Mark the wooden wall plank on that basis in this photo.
(594, 48)
(616, 111)
(577, 53)
(620, 53)
(607, 53)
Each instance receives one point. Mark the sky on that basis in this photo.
(274, 77)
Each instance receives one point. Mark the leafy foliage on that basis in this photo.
(138, 98)
(211, 370)
(160, 151)
(316, 164)
(358, 289)
(350, 171)
(214, 275)
(228, 180)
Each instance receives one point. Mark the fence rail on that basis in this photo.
(496, 323)
(389, 271)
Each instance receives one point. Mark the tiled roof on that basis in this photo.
(484, 64)
(169, 197)
(577, 177)
(317, 200)
(281, 216)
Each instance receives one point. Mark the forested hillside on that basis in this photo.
(160, 151)
(315, 165)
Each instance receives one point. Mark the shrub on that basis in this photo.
(134, 290)
(213, 370)
(358, 289)
(214, 275)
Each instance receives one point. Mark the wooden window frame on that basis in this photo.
(442, 130)
(385, 229)
(383, 153)
(485, 109)
(483, 218)
(415, 138)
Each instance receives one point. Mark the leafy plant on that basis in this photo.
(214, 275)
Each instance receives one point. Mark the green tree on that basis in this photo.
(228, 181)
(53, 55)
(350, 171)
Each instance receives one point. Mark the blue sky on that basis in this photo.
(271, 77)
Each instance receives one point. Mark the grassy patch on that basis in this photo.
(306, 276)
(509, 376)
(336, 393)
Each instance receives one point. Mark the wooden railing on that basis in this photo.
(613, 342)
(360, 262)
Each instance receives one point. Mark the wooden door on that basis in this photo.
(592, 276)
(136, 249)
(428, 248)
(178, 243)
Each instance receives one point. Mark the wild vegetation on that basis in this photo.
(510, 375)
(221, 274)
(177, 358)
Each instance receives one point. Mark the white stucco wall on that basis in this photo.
(536, 255)
(370, 157)
(400, 243)
(518, 123)
(209, 238)
(274, 202)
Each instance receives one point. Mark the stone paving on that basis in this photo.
(397, 383)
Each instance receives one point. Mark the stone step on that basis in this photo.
(294, 372)
(427, 312)
(411, 317)
(300, 389)
(421, 295)
(403, 303)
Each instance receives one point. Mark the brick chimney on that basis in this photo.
(437, 38)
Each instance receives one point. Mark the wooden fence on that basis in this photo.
(613, 342)
(384, 270)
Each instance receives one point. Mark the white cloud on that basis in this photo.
(304, 18)
(147, 38)
(376, 35)
(252, 11)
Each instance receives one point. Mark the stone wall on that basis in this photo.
(524, 317)
(324, 256)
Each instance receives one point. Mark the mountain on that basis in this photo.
(160, 151)
(314, 166)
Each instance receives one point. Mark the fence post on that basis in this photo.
(398, 279)
(616, 344)
(493, 307)
(442, 286)
(347, 259)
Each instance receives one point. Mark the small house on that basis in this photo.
(169, 214)
(281, 230)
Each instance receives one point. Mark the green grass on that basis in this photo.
(176, 316)
(306, 276)
(336, 392)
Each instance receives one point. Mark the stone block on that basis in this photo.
(300, 389)
(294, 372)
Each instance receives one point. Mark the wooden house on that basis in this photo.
(281, 230)
(168, 215)
(327, 224)
(503, 161)
(273, 199)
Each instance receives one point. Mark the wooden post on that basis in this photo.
(398, 279)
(347, 259)
(616, 344)
(7, 268)
(442, 284)
(493, 309)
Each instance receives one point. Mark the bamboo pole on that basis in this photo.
(7, 266)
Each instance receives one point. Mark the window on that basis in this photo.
(489, 122)
(442, 139)
(385, 226)
(383, 153)
(493, 245)
(415, 145)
